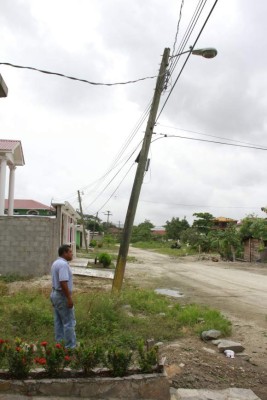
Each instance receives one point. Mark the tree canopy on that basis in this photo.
(175, 227)
(142, 232)
(203, 222)
(253, 226)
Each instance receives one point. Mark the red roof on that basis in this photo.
(8, 145)
(14, 147)
(20, 204)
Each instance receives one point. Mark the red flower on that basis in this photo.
(2, 341)
(44, 344)
(18, 348)
(58, 346)
(67, 358)
(41, 360)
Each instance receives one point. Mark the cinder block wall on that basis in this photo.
(28, 245)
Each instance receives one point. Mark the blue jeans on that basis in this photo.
(64, 319)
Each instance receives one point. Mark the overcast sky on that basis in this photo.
(73, 133)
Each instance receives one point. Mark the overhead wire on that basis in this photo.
(194, 19)
(209, 135)
(213, 141)
(178, 26)
(195, 205)
(74, 78)
(184, 64)
(115, 189)
(112, 179)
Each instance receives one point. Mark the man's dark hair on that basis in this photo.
(64, 248)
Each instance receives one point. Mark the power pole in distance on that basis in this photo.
(83, 223)
(108, 213)
(129, 220)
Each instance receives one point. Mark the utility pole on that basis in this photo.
(83, 224)
(129, 220)
(96, 217)
(108, 213)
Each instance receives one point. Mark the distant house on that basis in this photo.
(158, 231)
(223, 222)
(255, 250)
(30, 207)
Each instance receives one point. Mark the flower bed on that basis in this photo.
(51, 369)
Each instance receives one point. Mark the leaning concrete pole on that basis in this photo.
(136, 189)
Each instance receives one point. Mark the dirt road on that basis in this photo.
(238, 290)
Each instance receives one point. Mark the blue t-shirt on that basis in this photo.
(61, 271)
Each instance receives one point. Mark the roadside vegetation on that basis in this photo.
(106, 319)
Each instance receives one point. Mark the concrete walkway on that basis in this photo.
(176, 394)
(203, 394)
(78, 266)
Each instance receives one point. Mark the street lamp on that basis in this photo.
(142, 160)
(208, 52)
(3, 87)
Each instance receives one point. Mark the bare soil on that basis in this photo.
(191, 362)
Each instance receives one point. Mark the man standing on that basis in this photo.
(61, 298)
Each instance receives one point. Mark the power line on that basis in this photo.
(112, 194)
(198, 36)
(213, 141)
(112, 179)
(178, 26)
(76, 79)
(196, 205)
(206, 134)
(196, 15)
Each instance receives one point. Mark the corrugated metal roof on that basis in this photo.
(21, 204)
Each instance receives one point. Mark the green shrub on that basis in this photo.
(93, 243)
(148, 358)
(87, 357)
(19, 359)
(118, 360)
(99, 244)
(105, 259)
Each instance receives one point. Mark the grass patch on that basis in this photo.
(13, 278)
(106, 319)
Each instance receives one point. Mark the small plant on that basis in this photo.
(148, 358)
(19, 358)
(93, 243)
(119, 361)
(105, 259)
(53, 358)
(99, 244)
(87, 358)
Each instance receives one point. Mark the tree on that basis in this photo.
(227, 242)
(93, 223)
(203, 223)
(175, 227)
(142, 232)
(253, 226)
(196, 239)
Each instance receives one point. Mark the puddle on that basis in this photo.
(170, 292)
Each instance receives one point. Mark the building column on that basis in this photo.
(11, 189)
(3, 165)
